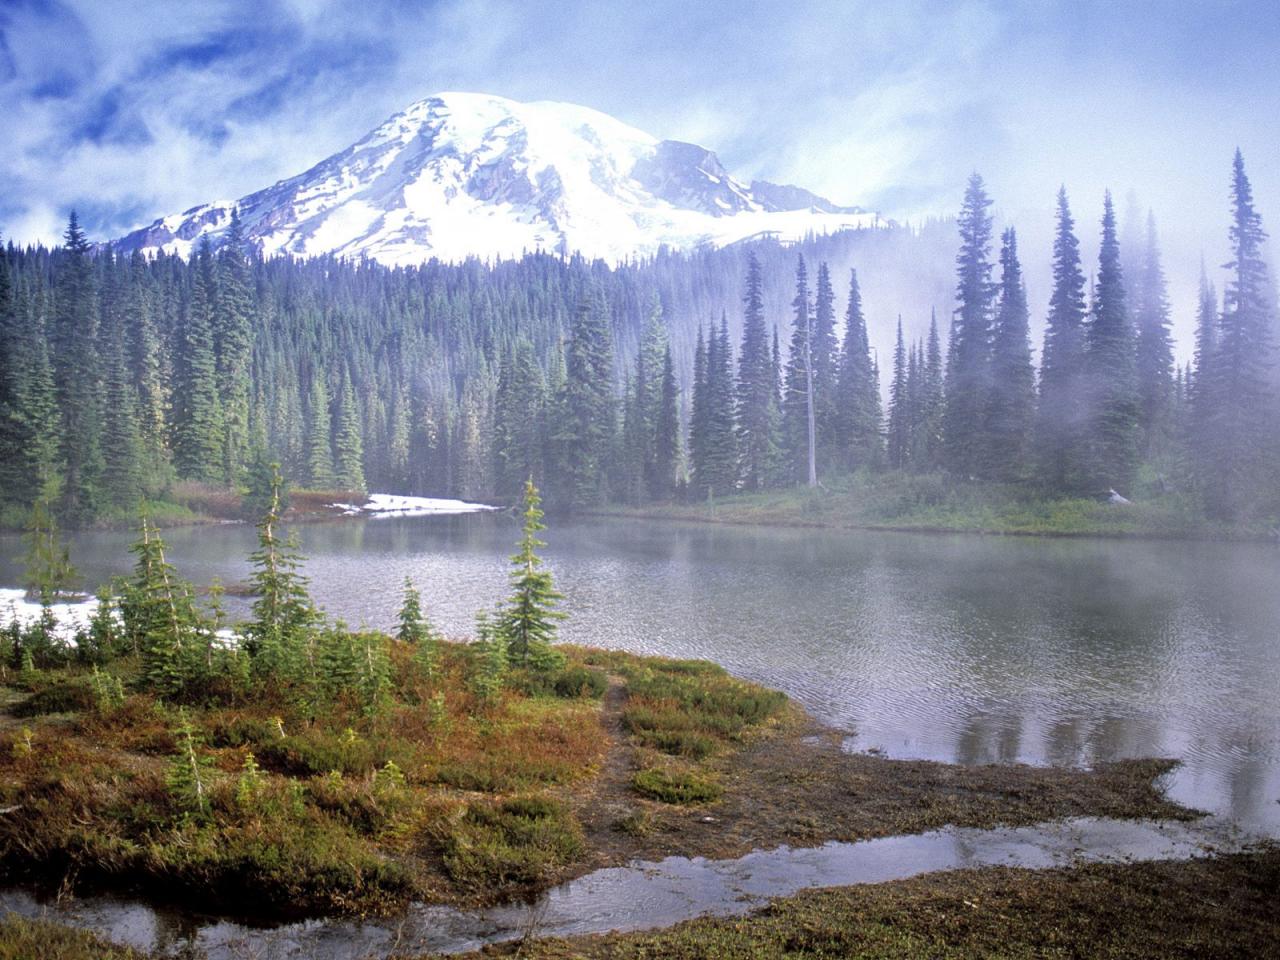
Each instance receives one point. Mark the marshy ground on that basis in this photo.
(443, 798)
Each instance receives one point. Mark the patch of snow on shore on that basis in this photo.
(71, 616)
(392, 505)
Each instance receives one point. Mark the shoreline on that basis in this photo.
(630, 786)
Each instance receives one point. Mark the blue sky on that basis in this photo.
(129, 109)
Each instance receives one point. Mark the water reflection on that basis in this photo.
(963, 649)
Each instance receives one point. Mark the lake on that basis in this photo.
(954, 648)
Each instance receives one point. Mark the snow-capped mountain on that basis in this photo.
(465, 174)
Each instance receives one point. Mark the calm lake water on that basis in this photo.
(952, 648)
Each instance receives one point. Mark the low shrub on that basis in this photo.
(675, 787)
(521, 840)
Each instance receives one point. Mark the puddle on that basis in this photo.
(643, 895)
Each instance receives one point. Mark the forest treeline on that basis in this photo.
(123, 376)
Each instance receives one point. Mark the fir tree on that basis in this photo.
(719, 474)
(757, 405)
(1237, 445)
(826, 358)
(1061, 432)
(798, 415)
(933, 400)
(698, 417)
(76, 377)
(1155, 367)
(528, 621)
(586, 435)
(233, 341)
(899, 438)
(518, 427)
(1110, 353)
(667, 436)
(857, 399)
(320, 472)
(197, 411)
(1010, 414)
(348, 444)
(969, 358)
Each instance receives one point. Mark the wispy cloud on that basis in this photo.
(131, 109)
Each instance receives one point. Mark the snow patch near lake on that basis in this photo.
(72, 616)
(392, 505)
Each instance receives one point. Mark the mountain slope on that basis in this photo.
(465, 174)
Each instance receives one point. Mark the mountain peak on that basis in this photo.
(461, 174)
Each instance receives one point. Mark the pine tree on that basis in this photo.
(826, 358)
(798, 415)
(1200, 382)
(667, 436)
(933, 400)
(348, 444)
(1010, 415)
(969, 358)
(76, 377)
(161, 620)
(698, 416)
(278, 638)
(517, 422)
(1155, 366)
(528, 622)
(1061, 432)
(899, 438)
(1111, 356)
(757, 406)
(320, 472)
(197, 411)
(720, 457)
(121, 435)
(587, 434)
(233, 342)
(1238, 441)
(857, 398)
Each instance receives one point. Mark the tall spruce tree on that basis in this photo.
(857, 398)
(348, 445)
(1010, 414)
(77, 377)
(1238, 444)
(1155, 367)
(825, 353)
(197, 411)
(720, 456)
(320, 470)
(698, 416)
(518, 422)
(899, 435)
(933, 400)
(798, 419)
(667, 435)
(586, 435)
(1061, 432)
(969, 358)
(1111, 357)
(528, 621)
(233, 343)
(757, 403)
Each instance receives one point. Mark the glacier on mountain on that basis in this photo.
(463, 174)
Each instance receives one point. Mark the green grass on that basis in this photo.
(22, 939)
(520, 841)
(928, 502)
(675, 786)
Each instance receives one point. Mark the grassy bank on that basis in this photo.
(938, 504)
(1194, 910)
(444, 797)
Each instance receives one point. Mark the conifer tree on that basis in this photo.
(1238, 443)
(278, 638)
(969, 357)
(121, 435)
(899, 438)
(1155, 366)
(77, 377)
(667, 437)
(1111, 356)
(720, 457)
(857, 397)
(757, 406)
(1200, 382)
(1061, 432)
(528, 622)
(161, 620)
(517, 422)
(933, 400)
(320, 471)
(348, 444)
(233, 341)
(197, 411)
(1010, 414)
(798, 415)
(698, 416)
(825, 352)
(586, 435)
